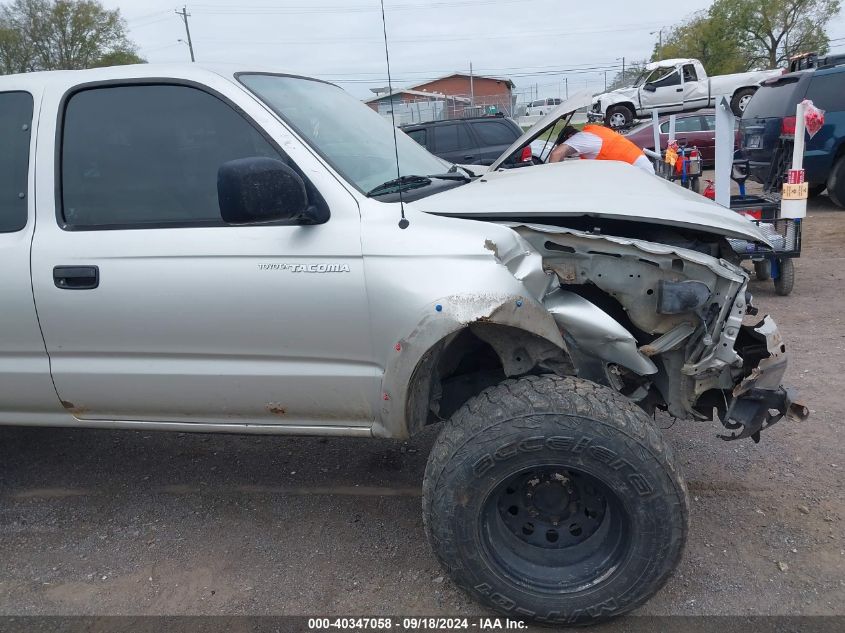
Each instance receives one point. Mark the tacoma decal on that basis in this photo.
(307, 268)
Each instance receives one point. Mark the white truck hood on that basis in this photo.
(602, 189)
(576, 101)
(627, 93)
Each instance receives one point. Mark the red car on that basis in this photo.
(696, 128)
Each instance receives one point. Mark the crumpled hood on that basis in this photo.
(628, 93)
(605, 189)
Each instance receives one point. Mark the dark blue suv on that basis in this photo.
(770, 115)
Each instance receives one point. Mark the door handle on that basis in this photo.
(469, 157)
(76, 277)
(679, 89)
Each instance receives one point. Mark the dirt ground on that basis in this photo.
(119, 522)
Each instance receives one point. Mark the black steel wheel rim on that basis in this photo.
(554, 529)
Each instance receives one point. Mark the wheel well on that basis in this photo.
(466, 362)
(740, 89)
(624, 104)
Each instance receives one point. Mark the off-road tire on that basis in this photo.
(786, 280)
(622, 110)
(763, 270)
(741, 97)
(836, 183)
(585, 433)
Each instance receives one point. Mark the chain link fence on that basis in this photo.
(423, 109)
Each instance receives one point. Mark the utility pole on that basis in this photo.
(605, 81)
(566, 86)
(185, 15)
(471, 86)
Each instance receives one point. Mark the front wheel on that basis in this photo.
(555, 499)
(619, 116)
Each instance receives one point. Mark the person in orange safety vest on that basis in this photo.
(599, 143)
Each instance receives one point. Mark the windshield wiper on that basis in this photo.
(451, 175)
(399, 184)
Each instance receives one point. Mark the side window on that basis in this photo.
(685, 124)
(710, 121)
(148, 155)
(828, 91)
(15, 125)
(451, 138)
(665, 77)
(689, 73)
(494, 132)
(418, 136)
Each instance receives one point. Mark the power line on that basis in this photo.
(413, 6)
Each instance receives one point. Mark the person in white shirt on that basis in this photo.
(596, 142)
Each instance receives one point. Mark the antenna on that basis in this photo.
(403, 222)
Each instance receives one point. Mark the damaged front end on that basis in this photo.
(669, 326)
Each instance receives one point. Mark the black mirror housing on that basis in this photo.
(258, 190)
(649, 87)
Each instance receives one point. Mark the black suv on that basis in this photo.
(770, 117)
(471, 141)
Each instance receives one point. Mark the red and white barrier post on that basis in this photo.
(795, 189)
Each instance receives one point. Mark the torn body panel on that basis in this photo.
(659, 322)
(683, 312)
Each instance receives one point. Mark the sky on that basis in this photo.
(544, 46)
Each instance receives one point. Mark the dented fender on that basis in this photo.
(449, 316)
(596, 332)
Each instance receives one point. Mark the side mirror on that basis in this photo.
(258, 189)
(649, 87)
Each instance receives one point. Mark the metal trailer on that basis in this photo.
(686, 172)
(764, 210)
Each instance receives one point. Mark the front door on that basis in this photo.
(153, 309)
(663, 90)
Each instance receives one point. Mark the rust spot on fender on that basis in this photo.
(74, 409)
(276, 408)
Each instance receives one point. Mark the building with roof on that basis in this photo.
(451, 96)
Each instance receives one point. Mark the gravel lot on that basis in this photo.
(118, 522)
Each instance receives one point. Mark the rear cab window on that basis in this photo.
(15, 131)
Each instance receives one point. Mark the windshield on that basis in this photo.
(640, 80)
(353, 139)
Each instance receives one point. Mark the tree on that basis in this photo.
(737, 35)
(62, 35)
(709, 38)
(775, 30)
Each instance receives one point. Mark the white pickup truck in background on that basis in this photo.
(675, 85)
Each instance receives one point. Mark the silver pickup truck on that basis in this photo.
(210, 249)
